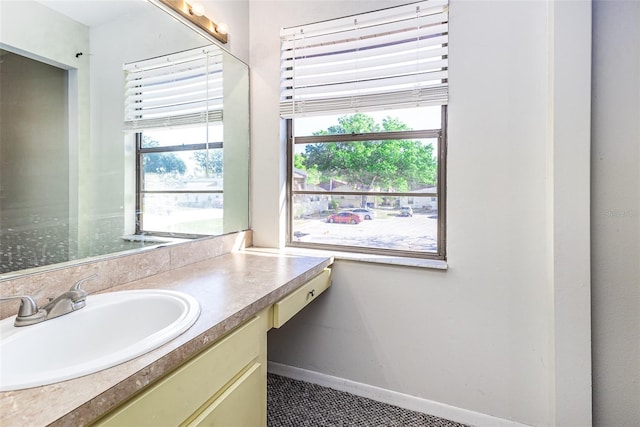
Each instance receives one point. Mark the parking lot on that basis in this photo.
(386, 230)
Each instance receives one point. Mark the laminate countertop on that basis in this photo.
(230, 288)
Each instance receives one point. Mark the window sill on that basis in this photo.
(360, 257)
(146, 238)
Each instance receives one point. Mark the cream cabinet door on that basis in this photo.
(241, 405)
(187, 390)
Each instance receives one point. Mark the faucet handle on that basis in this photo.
(76, 294)
(28, 306)
(76, 286)
(29, 313)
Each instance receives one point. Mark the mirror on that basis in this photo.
(74, 184)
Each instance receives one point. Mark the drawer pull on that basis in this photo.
(312, 292)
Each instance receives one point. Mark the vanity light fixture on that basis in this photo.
(194, 13)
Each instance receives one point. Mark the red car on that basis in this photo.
(345, 218)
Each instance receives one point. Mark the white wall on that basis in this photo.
(505, 331)
(616, 213)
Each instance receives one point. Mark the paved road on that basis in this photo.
(417, 233)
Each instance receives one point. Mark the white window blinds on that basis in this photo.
(391, 58)
(174, 90)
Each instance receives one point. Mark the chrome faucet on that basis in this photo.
(71, 300)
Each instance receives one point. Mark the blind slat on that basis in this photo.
(436, 95)
(173, 121)
(175, 75)
(355, 76)
(134, 98)
(349, 62)
(372, 86)
(171, 110)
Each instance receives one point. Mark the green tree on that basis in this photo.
(299, 161)
(397, 165)
(213, 164)
(161, 163)
(313, 175)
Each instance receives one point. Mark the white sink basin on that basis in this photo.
(111, 329)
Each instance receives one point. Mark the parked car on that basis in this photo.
(364, 213)
(406, 211)
(345, 218)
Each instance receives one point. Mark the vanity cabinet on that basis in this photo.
(226, 384)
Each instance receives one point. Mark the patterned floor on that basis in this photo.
(293, 403)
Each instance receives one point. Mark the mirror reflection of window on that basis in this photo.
(174, 106)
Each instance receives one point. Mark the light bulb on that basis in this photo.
(197, 9)
(222, 28)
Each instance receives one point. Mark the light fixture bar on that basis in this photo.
(184, 10)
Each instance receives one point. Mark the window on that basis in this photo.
(179, 183)
(365, 102)
(174, 109)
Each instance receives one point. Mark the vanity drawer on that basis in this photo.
(290, 305)
(179, 395)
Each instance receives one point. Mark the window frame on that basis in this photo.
(439, 134)
(140, 191)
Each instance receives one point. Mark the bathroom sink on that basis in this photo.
(113, 328)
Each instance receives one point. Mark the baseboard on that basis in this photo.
(391, 397)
